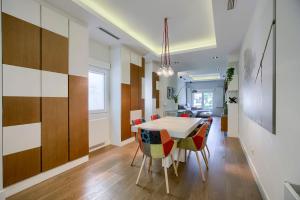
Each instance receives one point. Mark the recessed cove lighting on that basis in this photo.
(110, 15)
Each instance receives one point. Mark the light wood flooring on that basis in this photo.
(108, 175)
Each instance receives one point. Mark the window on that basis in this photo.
(203, 100)
(197, 100)
(96, 91)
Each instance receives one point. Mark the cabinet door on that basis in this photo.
(78, 117)
(55, 57)
(54, 132)
(125, 112)
(135, 84)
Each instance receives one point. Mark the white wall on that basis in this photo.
(182, 100)
(99, 128)
(165, 103)
(99, 51)
(275, 158)
(218, 89)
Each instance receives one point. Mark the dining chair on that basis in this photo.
(157, 145)
(133, 123)
(195, 143)
(209, 121)
(184, 115)
(155, 117)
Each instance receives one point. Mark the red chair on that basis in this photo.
(134, 123)
(184, 115)
(155, 117)
(195, 143)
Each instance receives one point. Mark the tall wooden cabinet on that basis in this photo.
(45, 113)
(21, 100)
(132, 100)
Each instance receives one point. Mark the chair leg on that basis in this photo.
(207, 150)
(138, 178)
(173, 163)
(179, 150)
(150, 164)
(189, 154)
(201, 172)
(204, 158)
(166, 176)
(135, 155)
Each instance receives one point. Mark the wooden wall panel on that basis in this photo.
(21, 165)
(157, 98)
(155, 78)
(143, 68)
(78, 117)
(21, 42)
(54, 132)
(142, 105)
(135, 84)
(125, 112)
(155, 92)
(142, 75)
(21, 110)
(54, 52)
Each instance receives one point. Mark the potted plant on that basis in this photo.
(224, 118)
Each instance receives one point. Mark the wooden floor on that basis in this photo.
(108, 175)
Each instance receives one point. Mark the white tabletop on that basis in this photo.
(178, 127)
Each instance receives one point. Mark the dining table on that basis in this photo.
(177, 127)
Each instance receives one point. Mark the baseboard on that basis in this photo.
(2, 195)
(18, 187)
(129, 140)
(98, 147)
(254, 173)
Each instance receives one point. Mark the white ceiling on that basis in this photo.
(192, 21)
(191, 24)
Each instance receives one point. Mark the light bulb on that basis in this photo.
(159, 72)
(170, 71)
(165, 72)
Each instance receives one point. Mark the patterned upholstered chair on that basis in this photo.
(157, 145)
(155, 117)
(209, 121)
(195, 143)
(133, 123)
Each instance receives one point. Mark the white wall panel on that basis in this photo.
(135, 59)
(21, 137)
(135, 114)
(28, 10)
(54, 84)
(55, 22)
(21, 81)
(78, 49)
(125, 65)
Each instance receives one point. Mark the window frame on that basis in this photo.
(99, 70)
(202, 102)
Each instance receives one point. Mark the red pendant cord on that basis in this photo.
(165, 50)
